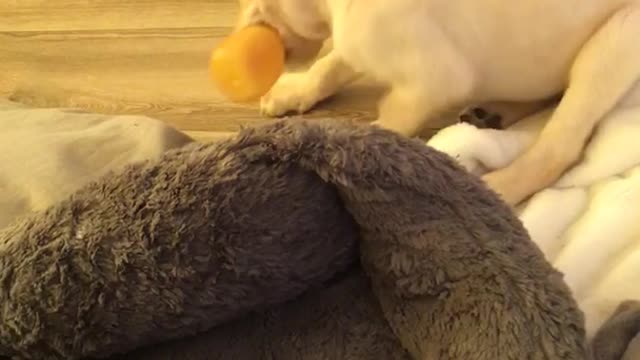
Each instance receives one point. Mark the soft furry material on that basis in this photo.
(166, 249)
(230, 234)
(587, 222)
(618, 338)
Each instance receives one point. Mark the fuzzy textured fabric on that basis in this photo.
(253, 241)
(586, 223)
(619, 337)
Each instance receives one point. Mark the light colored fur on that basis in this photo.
(586, 223)
(435, 55)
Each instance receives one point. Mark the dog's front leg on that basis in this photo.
(299, 92)
(604, 71)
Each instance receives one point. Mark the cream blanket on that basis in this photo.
(46, 154)
(588, 222)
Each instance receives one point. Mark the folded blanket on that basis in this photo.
(252, 240)
(46, 154)
(587, 222)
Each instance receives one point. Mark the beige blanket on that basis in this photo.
(46, 154)
(587, 222)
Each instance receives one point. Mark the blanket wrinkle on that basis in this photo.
(387, 197)
(586, 223)
(484, 150)
(47, 154)
(226, 251)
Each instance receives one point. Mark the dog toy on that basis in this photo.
(247, 64)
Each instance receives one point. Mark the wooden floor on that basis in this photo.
(132, 56)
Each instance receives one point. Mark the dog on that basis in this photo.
(435, 55)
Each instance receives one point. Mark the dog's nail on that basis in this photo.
(479, 113)
(465, 118)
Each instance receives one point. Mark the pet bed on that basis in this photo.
(309, 239)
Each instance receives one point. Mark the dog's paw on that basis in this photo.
(481, 118)
(290, 94)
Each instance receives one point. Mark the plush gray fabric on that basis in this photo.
(619, 337)
(633, 349)
(213, 235)
(165, 249)
(339, 321)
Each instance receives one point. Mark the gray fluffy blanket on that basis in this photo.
(297, 240)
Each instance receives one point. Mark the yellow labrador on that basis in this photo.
(440, 54)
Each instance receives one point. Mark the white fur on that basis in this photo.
(587, 223)
(435, 55)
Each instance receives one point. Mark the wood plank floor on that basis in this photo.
(132, 57)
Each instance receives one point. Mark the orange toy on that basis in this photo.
(246, 64)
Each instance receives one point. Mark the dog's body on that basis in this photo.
(436, 55)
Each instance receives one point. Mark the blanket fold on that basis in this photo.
(307, 239)
(46, 154)
(433, 240)
(587, 222)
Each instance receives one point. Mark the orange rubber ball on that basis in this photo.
(247, 64)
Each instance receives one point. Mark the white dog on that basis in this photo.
(436, 55)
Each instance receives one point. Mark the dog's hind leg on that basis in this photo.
(604, 71)
(501, 115)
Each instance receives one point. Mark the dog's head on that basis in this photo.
(302, 24)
